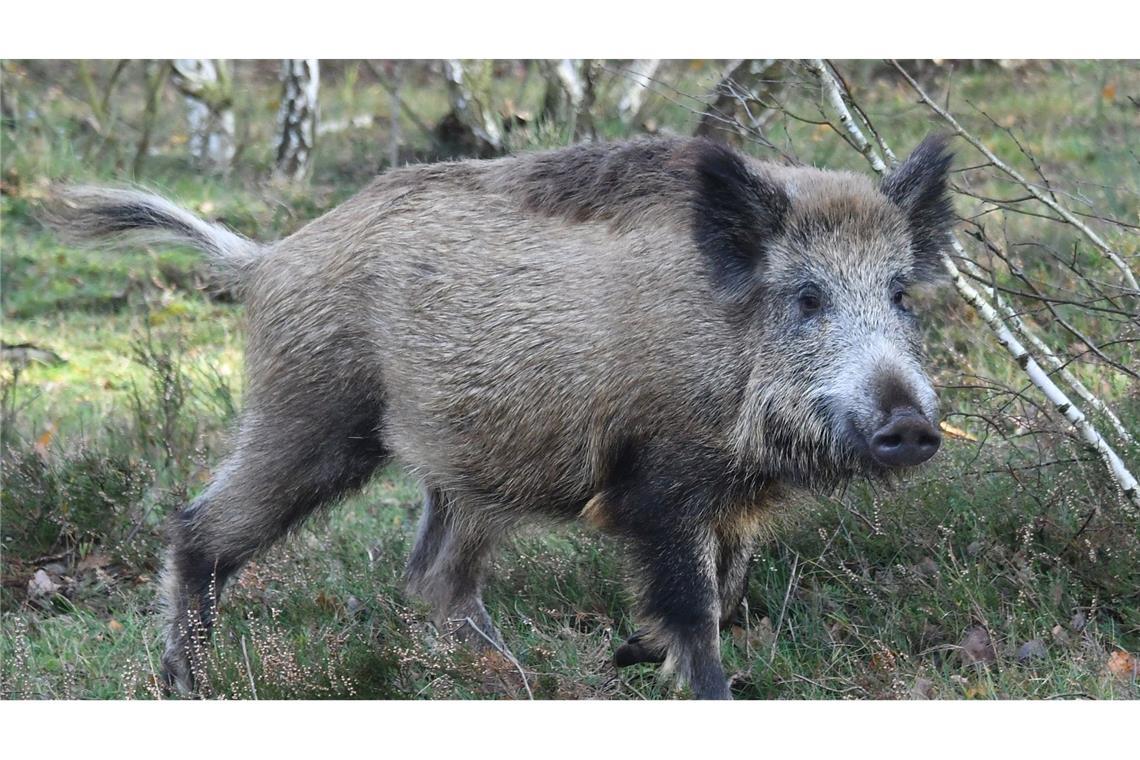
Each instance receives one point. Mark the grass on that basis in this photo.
(867, 594)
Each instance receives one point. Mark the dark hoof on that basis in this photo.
(638, 649)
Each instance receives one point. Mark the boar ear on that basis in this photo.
(918, 187)
(737, 213)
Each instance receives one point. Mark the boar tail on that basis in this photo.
(102, 215)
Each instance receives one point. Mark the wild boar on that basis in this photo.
(662, 335)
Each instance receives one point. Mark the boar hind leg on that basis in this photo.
(448, 566)
(285, 465)
(734, 560)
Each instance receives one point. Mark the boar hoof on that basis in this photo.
(637, 649)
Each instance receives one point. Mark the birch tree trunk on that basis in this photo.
(208, 90)
(570, 95)
(297, 118)
(396, 72)
(155, 73)
(640, 75)
(469, 88)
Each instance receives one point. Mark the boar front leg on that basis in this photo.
(734, 560)
(682, 606)
(670, 527)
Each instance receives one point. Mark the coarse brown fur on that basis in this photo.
(661, 334)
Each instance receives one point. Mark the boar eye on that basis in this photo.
(810, 301)
(899, 299)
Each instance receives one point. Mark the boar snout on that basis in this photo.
(906, 440)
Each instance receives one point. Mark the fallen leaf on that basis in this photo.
(1124, 665)
(93, 562)
(759, 636)
(44, 441)
(927, 568)
(977, 647)
(1109, 91)
(41, 585)
(1034, 649)
(955, 432)
(883, 660)
(115, 626)
(923, 689)
(326, 602)
(980, 691)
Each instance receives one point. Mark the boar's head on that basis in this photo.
(819, 267)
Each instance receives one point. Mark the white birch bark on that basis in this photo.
(640, 75)
(576, 76)
(1038, 376)
(468, 85)
(297, 118)
(1041, 379)
(205, 85)
(570, 76)
(1022, 330)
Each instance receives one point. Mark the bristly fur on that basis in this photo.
(919, 187)
(547, 334)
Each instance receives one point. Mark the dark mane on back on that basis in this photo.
(616, 182)
(731, 209)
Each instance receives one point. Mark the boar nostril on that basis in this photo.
(907, 439)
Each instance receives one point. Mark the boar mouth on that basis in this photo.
(856, 448)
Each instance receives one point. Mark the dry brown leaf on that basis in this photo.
(758, 636)
(115, 626)
(978, 691)
(923, 689)
(44, 440)
(977, 647)
(1034, 649)
(93, 562)
(327, 603)
(1124, 665)
(955, 432)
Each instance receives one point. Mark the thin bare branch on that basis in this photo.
(1070, 217)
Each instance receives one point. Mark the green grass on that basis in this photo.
(866, 594)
